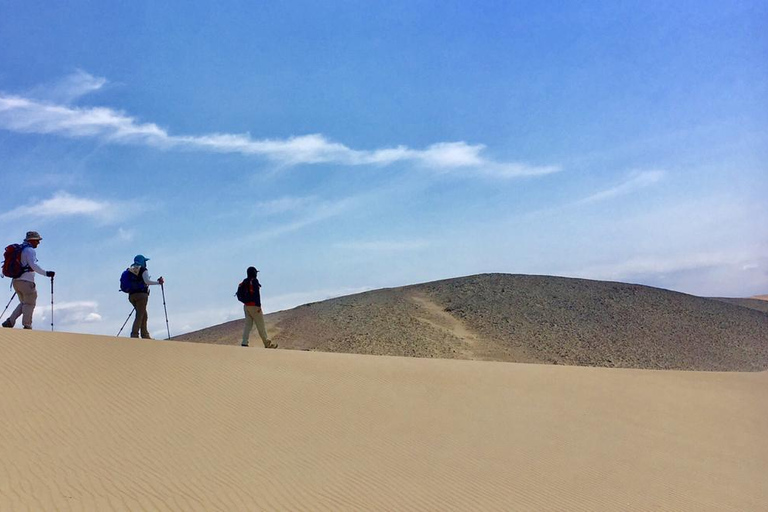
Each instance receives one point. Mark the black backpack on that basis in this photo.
(244, 294)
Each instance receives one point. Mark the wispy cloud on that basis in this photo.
(650, 265)
(633, 183)
(311, 213)
(28, 115)
(636, 181)
(384, 245)
(69, 89)
(283, 205)
(125, 235)
(61, 204)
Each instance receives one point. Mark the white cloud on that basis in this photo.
(637, 181)
(384, 245)
(70, 313)
(61, 204)
(28, 115)
(70, 88)
(283, 205)
(125, 235)
(313, 212)
(649, 265)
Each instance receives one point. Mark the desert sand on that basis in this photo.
(99, 423)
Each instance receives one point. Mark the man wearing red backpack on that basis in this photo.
(25, 266)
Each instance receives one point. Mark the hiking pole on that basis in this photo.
(162, 289)
(126, 322)
(9, 303)
(51, 303)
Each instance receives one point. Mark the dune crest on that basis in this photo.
(98, 423)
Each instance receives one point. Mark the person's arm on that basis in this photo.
(148, 281)
(31, 261)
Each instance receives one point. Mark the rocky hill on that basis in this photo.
(524, 318)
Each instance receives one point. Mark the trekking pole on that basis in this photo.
(162, 289)
(51, 303)
(126, 322)
(9, 303)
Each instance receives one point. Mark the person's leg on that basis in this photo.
(258, 319)
(248, 325)
(144, 331)
(19, 310)
(30, 300)
(27, 300)
(139, 302)
(11, 320)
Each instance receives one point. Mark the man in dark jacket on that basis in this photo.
(248, 293)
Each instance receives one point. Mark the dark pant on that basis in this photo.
(139, 301)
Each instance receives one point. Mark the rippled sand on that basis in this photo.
(99, 423)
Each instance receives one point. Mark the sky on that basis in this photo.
(344, 146)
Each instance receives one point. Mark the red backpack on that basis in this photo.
(12, 266)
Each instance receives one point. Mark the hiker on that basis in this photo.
(24, 282)
(248, 293)
(135, 282)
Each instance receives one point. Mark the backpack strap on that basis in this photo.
(24, 268)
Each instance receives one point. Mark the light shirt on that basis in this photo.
(29, 259)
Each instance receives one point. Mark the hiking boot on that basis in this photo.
(269, 344)
(27, 327)
(147, 337)
(243, 344)
(8, 324)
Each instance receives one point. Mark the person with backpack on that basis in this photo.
(135, 281)
(20, 263)
(248, 293)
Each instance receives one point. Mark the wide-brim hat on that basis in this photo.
(33, 235)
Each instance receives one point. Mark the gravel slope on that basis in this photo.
(525, 318)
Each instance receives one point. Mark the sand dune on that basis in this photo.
(97, 423)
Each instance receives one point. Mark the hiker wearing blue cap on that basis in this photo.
(135, 281)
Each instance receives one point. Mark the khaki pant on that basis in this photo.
(28, 299)
(139, 302)
(253, 315)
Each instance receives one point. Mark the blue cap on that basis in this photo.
(140, 260)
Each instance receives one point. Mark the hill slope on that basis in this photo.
(521, 318)
(751, 303)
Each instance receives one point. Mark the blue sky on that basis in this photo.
(343, 146)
